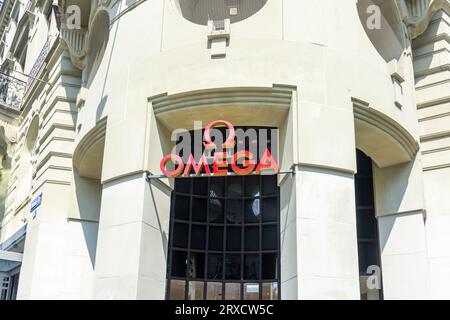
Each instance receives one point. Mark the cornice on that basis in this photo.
(390, 128)
(277, 96)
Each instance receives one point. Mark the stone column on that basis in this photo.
(132, 242)
(319, 253)
(399, 208)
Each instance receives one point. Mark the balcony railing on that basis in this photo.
(29, 4)
(12, 91)
(39, 62)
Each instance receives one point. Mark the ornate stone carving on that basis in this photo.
(418, 13)
(76, 39)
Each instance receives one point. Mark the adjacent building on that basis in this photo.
(93, 92)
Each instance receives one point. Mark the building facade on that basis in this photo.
(92, 93)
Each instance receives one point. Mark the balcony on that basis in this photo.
(12, 91)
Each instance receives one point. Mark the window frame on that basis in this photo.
(225, 225)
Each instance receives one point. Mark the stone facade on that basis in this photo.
(102, 94)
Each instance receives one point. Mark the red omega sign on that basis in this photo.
(221, 160)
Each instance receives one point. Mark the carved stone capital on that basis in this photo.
(75, 40)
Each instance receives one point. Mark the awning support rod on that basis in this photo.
(203, 175)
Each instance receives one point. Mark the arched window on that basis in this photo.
(367, 227)
(224, 239)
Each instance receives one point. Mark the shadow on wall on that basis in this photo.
(101, 108)
(167, 191)
(390, 39)
(88, 196)
(88, 189)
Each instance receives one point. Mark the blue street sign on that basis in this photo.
(36, 202)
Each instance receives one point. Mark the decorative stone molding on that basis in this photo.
(262, 106)
(417, 14)
(81, 155)
(77, 39)
(276, 97)
(382, 138)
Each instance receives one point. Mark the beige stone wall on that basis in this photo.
(432, 72)
(108, 102)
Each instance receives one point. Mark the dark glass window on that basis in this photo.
(199, 209)
(367, 224)
(224, 238)
(215, 239)
(180, 235)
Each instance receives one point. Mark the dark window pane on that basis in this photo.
(234, 211)
(251, 271)
(252, 211)
(182, 208)
(269, 237)
(270, 185)
(216, 210)
(368, 255)
(364, 164)
(269, 266)
(183, 185)
(201, 186)
(251, 239)
(252, 186)
(179, 260)
(198, 237)
(364, 191)
(235, 187)
(270, 210)
(196, 268)
(215, 266)
(216, 238)
(217, 187)
(366, 222)
(180, 235)
(199, 210)
(233, 267)
(234, 239)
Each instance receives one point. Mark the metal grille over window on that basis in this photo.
(12, 91)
